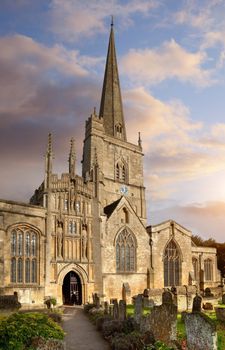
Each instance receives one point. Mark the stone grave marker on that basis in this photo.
(163, 320)
(126, 292)
(200, 331)
(138, 308)
(122, 310)
(197, 304)
(115, 309)
(106, 308)
(9, 302)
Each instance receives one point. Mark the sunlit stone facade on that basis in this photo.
(86, 234)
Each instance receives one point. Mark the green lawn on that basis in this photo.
(181, 334)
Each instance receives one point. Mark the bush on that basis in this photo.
(18, 330)
(111, 327)
(131, 341)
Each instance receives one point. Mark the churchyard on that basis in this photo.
(142, 325)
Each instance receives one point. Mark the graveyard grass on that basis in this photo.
(181, 328)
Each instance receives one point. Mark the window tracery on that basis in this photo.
(125, 252)
(24, 247)
(121, 172)
(172, 265)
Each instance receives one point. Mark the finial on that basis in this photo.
(112, 21)
(94, 110)
(139, 139)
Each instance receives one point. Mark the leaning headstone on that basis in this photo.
(200, 331)
(223, 298)
(163, 320)
(197, 304)
(138, 308)
(115, 309)
(122, 310)
(106, 308)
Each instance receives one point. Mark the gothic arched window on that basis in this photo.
(121, 171)
(125, 252)
(208, 268)
(24, 248)
(195, 268)
(118, 129)
(172, 265)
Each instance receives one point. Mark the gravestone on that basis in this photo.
(146, 293)
(223, 298)
(96, 300)
(208, 293)
(126, 292)
(197, 304)
(200, 331)
(220, 314)
(122, 310)
(106, 308)
(208, 306)
(111, 309)
(115, 309)
(163, 320)
(167, 297)
(138, 308)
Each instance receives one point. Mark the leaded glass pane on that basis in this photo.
(20, 243)
(208, 270)
(13, 270)
(13, 243)
(34, 271)
(20, 270)
(27, 247)
(34, 244)
(27, 271)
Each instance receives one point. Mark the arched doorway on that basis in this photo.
(72, 289)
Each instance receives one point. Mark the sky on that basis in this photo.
(171, 58)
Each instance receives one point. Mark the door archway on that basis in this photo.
(72, 289)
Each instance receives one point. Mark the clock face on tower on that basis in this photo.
(124, 190)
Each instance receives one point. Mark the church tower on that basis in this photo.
(115, 166)
(120, 162)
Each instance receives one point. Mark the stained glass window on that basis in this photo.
(172, 265)
(125, 252)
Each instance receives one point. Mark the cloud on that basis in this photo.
(74, 19)
(178, 150)
(204, 219)
(169, 61)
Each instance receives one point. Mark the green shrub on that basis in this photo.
(131, 341)
(17, 331)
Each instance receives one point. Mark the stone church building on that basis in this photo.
(85, 234)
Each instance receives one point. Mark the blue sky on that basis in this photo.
(171, 57)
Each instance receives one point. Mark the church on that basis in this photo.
(88, 234)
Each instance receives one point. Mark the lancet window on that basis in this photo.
(118, 130)
(125, 252)
(24, 255)
(208, 269)
(195, 268)
(172, 265)
(72, 227)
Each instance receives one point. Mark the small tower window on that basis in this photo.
(121, 172)
(118, 130)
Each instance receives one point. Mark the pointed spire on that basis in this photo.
(72, 159)
(111, 108)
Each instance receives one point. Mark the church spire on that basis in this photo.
(111, 108)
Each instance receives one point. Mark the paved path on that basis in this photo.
(81, 333)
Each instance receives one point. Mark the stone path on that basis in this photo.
(81, 333)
